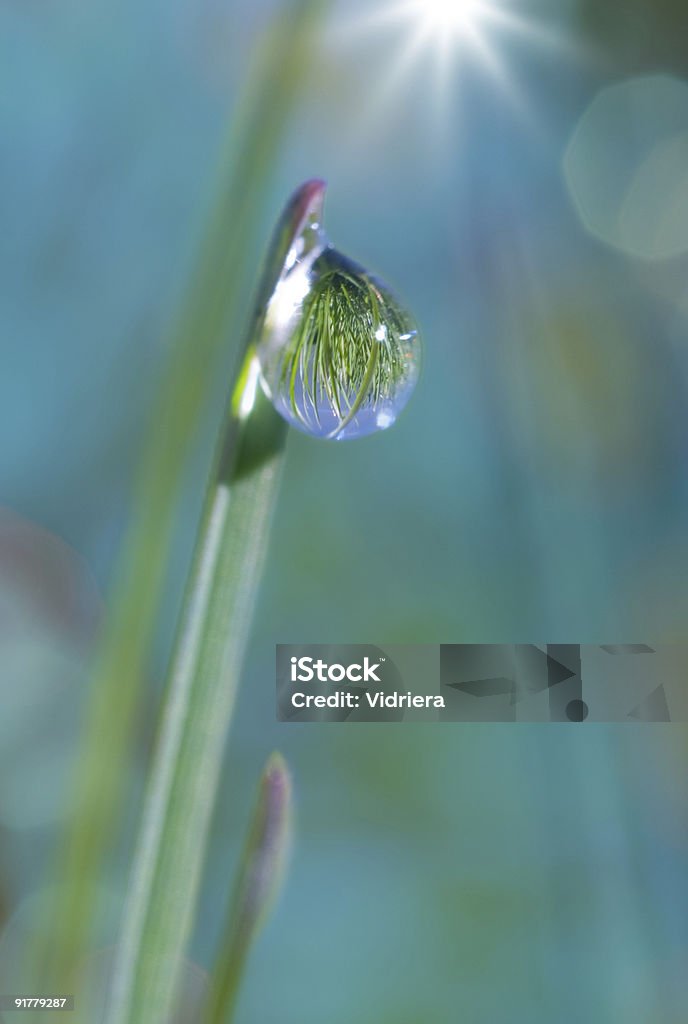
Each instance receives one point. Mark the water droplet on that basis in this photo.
(339, 356)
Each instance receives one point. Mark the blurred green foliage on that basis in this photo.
(638, 35)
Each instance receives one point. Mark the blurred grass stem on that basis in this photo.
(200, 334)
(258, 881)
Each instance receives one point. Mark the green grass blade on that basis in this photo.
(203, 681)
(258, 881)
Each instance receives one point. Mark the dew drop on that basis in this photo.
(339, 356)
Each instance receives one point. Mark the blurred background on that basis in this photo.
(520, 176)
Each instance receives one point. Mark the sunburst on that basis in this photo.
(437, 39)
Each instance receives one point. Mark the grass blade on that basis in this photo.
(203, 680)
(258, 882)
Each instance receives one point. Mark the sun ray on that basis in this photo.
(396, 77)
(444, 40)
(532, 31)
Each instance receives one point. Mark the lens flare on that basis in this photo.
(434, 43)
(448, 15)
